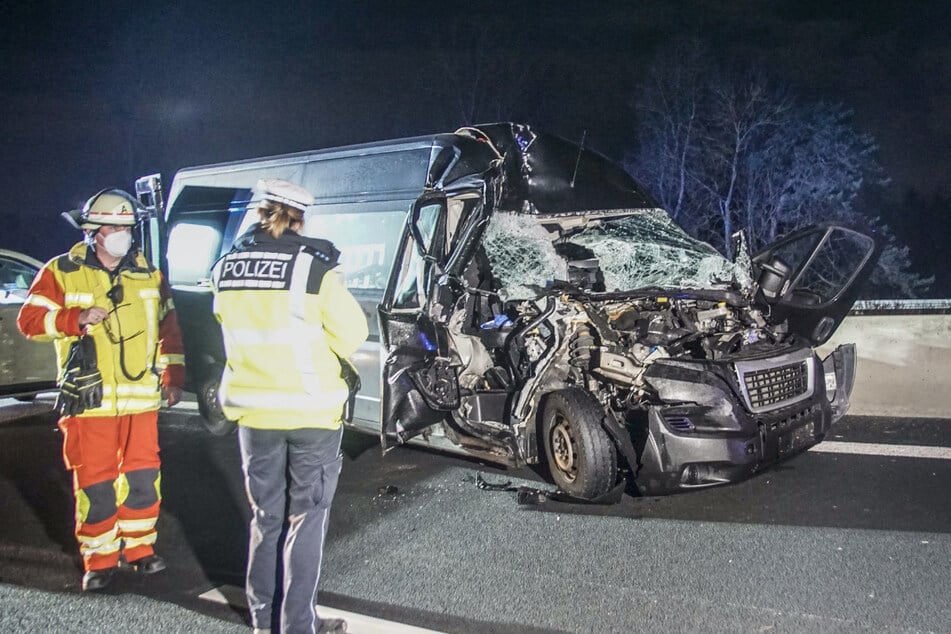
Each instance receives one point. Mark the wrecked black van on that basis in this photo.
(531, 304)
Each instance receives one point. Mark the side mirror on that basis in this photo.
(148, 190)
(151, 217)
(773, 277)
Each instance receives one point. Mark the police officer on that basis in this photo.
(111, 317)
(288, 324)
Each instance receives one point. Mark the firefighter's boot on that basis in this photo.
(98, 579)
(148, 565)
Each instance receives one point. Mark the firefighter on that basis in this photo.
(112, 321)
(289, 324)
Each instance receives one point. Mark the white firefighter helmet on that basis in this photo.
(107, 207)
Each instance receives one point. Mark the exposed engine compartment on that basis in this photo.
(605, 337)
(557, 290)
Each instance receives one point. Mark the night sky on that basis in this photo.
(96, 94)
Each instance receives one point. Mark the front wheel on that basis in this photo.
(209, 406)
(582, 459)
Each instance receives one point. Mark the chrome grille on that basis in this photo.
(772, 386)
(776, 382)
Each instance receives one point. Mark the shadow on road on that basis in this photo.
(31, 461)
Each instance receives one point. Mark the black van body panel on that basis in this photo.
(557, 176)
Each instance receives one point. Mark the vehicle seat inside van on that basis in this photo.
(483, 303)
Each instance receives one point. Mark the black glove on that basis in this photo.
(349, 374)
(81, 386)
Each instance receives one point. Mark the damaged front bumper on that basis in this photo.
(720, 423)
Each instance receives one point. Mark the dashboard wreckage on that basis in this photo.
(535, 306)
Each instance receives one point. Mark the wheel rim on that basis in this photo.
(564, 448)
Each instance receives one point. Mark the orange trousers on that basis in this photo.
(117, 484)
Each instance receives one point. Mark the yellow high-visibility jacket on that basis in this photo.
(138, 347)
(286, 319)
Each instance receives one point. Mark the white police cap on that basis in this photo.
(285, 192)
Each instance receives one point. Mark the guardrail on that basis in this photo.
(904, 357)
(903, 306)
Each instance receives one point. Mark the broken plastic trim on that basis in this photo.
(531, 496)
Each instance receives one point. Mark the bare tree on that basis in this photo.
(699, 134)
(809, 169)
(741, 116)
(728, 151)
(670, 105)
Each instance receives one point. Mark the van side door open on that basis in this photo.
(812, 277)
(418, 385)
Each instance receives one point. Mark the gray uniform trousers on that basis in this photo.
(289, 475)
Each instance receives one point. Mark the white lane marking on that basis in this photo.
(226, 595)
(878, 449)
(356, 623)
(361, 624)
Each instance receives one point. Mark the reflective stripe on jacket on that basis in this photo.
(138, 346)
(285, 319)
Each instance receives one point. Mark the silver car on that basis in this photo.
(26, 367)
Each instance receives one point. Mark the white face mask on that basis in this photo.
(117, 244)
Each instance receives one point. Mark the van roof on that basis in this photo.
(306, 156)
(543, 173)
(381, 170)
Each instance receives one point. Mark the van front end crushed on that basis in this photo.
(534, 301)
(720, 422)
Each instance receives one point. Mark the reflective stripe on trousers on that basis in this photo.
(117, 485)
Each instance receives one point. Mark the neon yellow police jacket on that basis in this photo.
(286, 319)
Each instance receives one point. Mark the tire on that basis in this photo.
(210, 408)
(582, 458)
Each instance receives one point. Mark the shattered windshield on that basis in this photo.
(522, 255)
(629, 250)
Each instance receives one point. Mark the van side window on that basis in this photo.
(411, 283)
(367, 241)
(193, 246)
(201, 226)
(832, 268)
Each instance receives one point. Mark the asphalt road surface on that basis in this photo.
(852, 536)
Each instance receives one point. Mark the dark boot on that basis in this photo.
(148, 565)
(97, 579)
